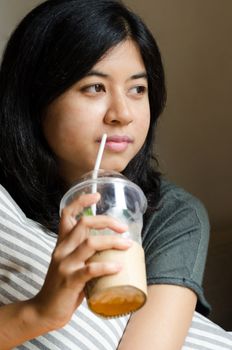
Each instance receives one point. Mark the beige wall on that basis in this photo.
(11, 11)
(194, 136)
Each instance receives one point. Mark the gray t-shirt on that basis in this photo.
(175, 240)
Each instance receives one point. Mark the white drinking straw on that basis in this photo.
(99, 156)
(97, 167)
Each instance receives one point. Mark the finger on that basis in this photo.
(100, 222)
(92, 245)
(96, 269)
(69, 213)
(81, 232)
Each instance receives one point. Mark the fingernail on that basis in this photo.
(98, 195)
(115, 266)
(123, 226)
(128, 241)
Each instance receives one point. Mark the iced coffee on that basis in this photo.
(126, 291)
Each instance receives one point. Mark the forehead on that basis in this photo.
(125, 54)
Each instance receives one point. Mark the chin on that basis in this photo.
(116, 167)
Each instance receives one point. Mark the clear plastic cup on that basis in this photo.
(124, 292)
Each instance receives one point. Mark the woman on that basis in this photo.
(72, 71)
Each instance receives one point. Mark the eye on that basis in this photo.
(138, 90)
(94, 88)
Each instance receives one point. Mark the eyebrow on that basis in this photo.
(139, 76)
(103, 75)
(97, 73)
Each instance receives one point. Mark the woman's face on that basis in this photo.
(113, 99)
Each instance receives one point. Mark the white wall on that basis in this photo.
(194, 135)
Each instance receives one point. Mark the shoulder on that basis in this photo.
(173, 197)
(179, 225)
(179, 209)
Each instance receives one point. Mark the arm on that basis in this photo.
(69, 270)
(163, 322)
(175, 242)
(19, 322)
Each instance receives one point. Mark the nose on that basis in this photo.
(118, 111)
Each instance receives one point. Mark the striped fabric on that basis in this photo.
(206, 335)
(25, 252)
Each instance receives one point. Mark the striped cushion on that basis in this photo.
(25, 253)
(206, 335)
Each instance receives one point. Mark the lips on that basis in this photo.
(117, 143)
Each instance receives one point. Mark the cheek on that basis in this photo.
(59, 129)
(62, 120)
(144, 123)
(147, 118)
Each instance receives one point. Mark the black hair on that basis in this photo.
(53, 47)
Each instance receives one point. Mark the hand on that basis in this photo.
(68, 272)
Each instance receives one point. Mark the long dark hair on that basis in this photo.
(54, 46)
